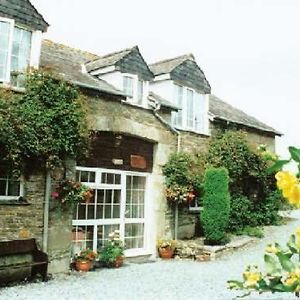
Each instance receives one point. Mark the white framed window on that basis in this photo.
(140, 91)
(128, 86)
(11, 188)
(178, 96)
(193, 115)
(134, 88)
(190, 109)
(118, 203)
(15, 50)
(6, 34)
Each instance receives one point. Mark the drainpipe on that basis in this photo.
(156, 107)
(46, 212)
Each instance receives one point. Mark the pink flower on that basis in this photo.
(54, 194)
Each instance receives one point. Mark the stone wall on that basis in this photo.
(59, 242)
(24, 219)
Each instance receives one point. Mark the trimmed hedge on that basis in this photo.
(216, 205)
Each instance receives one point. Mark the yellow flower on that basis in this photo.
(291, 280)
(285, 180)
(272, 249)
(298, 233)
(251, 278)
(293, 195)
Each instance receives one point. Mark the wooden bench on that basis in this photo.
(21, 259)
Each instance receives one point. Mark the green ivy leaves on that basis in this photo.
(47, 123)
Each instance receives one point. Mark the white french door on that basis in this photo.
(118, 203)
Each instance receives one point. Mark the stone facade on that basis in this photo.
(19, 221)
(24, 219)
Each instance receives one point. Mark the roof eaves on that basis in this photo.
(214, 117)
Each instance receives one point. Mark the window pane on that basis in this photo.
(21, 49)
(200, 112)
(2, 187)
(4, 43)
(13, 188)
(177, 116)
(9, 186)
(190, 109)
(134, 236)
(128, 86)
(140, 92)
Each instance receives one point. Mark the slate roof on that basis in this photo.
(68, 62)
(221, 110)
(168, 65)
(23, 12)
(163, 102)
(108, 59)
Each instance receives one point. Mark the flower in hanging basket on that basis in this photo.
(69, 191)
(180, 194)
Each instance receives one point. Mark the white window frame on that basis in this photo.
(180, 105)
(122, 220)
(135, 97)
(6, 78)
(184, 125)
(12, 198)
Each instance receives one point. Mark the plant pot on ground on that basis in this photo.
(112, 255)
(84, 260)
(166, 248)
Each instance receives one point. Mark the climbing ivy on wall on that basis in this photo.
(44, 125)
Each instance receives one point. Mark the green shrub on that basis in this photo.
(240, 213)
(251, 231)
(246, 166)
(266, 211)
(216, 205)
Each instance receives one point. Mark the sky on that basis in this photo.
(249, 50)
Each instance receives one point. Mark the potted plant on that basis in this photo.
(166, 248)
(83, 260)
(112, 255)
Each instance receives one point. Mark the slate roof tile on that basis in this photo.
(69, 62)
(24, 13)
(224, 111)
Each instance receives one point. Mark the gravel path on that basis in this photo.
(175, 280)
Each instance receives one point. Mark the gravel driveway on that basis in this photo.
(158, 280)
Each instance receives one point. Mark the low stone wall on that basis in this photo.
(196, 250)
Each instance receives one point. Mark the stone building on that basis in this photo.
(139, 115)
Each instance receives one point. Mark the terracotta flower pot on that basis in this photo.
(166, 253)
(118, 262)
(83, 265)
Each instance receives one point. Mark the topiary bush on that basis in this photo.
(216, 205)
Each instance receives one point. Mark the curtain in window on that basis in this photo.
(4, 45)
(190, 109)
(178, 96)
(200, 113)
(20, 49)
(128, 86)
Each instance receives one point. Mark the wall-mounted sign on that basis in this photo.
(117, 161)
(138, 162)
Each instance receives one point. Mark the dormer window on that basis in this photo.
(193, 115)
(15, 51)
(134, 88)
